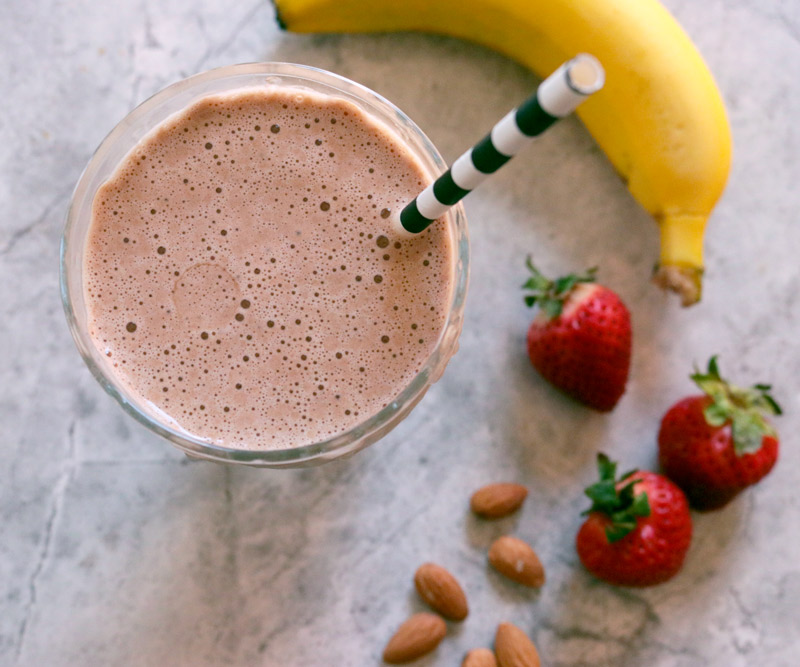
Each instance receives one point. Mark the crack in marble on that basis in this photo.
(228, 639)
(634, 642)
(743, 646)
(791, 29)
(639, 639)
(779, 16)
(113, 463)
(286, 623)
(290, 558)
(18, 234)
(475, 556)
(630, 641)
(651, 617)
(331, 484)
(669, 649)
(233, 546)
(565, 633)
(388, 540)
(630, 596)
(150, 40)
(746, 613)
(57, 500)
(227, 41)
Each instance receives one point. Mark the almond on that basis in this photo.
(498, 500)
(516, 560)
(441, 591)
(479, 657)
(513, 648)
(419, 635)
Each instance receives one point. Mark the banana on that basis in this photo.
(660, 118)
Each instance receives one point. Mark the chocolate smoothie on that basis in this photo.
(242, 276)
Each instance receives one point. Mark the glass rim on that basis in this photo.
(368, 430)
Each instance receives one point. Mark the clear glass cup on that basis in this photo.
(135, 126)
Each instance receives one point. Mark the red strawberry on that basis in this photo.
(638, 530)
(717, 443)
(580, 341)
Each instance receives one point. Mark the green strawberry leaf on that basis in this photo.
(773, 404)
(616, 499)
(744, 408)
(747, 429)
(619, 529)
(716, 415)
(626, 494)
(606, 468)
(551, 294)
(764, 399)
(709, 385)
(565, 284)
(602, 494)
(710, 382)
(537, 282)
(641, 505)
(552, 307)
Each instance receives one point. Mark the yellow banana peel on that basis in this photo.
(660, 118)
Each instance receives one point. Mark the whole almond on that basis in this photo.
(498, 500)
(479, 657)
(513, 648)
(516, 560)
(441, 591)
(419, 635)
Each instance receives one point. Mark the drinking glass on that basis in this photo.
(131, 130)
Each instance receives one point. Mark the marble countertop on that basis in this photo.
(116, 550)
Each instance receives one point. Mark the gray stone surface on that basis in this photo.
(115, 550)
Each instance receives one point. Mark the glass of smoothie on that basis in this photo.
(232, 274)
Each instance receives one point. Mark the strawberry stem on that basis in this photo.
(744, 408)
(616, 499)
(551, 294)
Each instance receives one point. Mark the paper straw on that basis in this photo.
(557, 96)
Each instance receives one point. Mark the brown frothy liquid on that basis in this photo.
(242, 276)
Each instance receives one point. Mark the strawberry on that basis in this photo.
(638, 529)
(580, 341)
(715, 444)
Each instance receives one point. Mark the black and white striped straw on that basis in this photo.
(557, 96)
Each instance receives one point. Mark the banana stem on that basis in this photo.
(681, 265)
